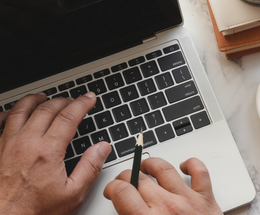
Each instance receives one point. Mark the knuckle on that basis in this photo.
(18, 110)
(45, 108)
(94, 168)
(174, 208)
(164, 168)
(122, 189)
(67, 117)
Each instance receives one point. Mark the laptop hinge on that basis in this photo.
(146, 40)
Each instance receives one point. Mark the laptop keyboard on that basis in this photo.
(155, 93)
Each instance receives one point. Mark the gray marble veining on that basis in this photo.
(235, 83)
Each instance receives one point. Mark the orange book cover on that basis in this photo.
(239, 44)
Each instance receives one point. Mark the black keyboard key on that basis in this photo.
(164, 133)
(182, 126)
(125, 147)
(121, 113)
(149, 69)
(111, 156)
(118, 132)
(100, 136)
(86, 126)
(111, 99)
(129, 93)
(200, 120)
(84, 79)
(136, 125)
(66, 86)
(171, 48)
(136, 61)
(154, 54)
(101, 73)
(180, 92)
(146, 87)
(181, 74)
(157, 100)
(183, 108)
(149, 139)
(1, 109)
(114, 81)
(50, 91)
(69, 152)
(119, 67)
(71, 164)
(104, 119)
(139, 107)
(64, 94)
(171, 61)
(97, 107)
(98, 87)
(154, 119)
(81, 145)
(164, 80)
(79, 91)
(10, 105)
(132, 75)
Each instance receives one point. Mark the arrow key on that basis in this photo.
(164, 132)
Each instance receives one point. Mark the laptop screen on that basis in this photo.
(39, 39)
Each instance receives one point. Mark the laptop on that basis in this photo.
(142, 65)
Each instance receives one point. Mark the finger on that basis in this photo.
(88, 168)
(44, 114)
(3, 117)
(20, 113)
(126, 198)
(66, 123)
(166, 175)
(200, 179)
(150, 191)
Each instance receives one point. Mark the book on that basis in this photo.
(239, 44)
(233, 16)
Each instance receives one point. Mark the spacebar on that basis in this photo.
(182, 108)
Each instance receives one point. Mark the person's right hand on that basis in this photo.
(171, 196)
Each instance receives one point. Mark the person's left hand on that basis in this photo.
(170, 196)
(33, 178)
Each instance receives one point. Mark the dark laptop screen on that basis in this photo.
(39, 39)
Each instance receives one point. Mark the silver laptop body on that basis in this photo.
(212, 142)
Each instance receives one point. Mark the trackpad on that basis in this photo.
(95, 202)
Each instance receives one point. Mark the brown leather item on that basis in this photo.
(238, 40)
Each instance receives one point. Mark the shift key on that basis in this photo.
(184, 108)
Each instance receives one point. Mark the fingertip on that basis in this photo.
(104, 148)
(90, 95)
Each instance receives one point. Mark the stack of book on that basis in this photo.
(237, 27)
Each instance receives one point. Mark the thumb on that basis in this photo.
(89, 167)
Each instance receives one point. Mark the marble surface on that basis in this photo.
(235, 84)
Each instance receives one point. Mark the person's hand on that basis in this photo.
(171, 196)
(33, 178)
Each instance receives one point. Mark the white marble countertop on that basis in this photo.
(235, 83)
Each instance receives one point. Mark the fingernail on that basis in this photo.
(105, 149)
(70, 98)
(90, 95)
(41, 93)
